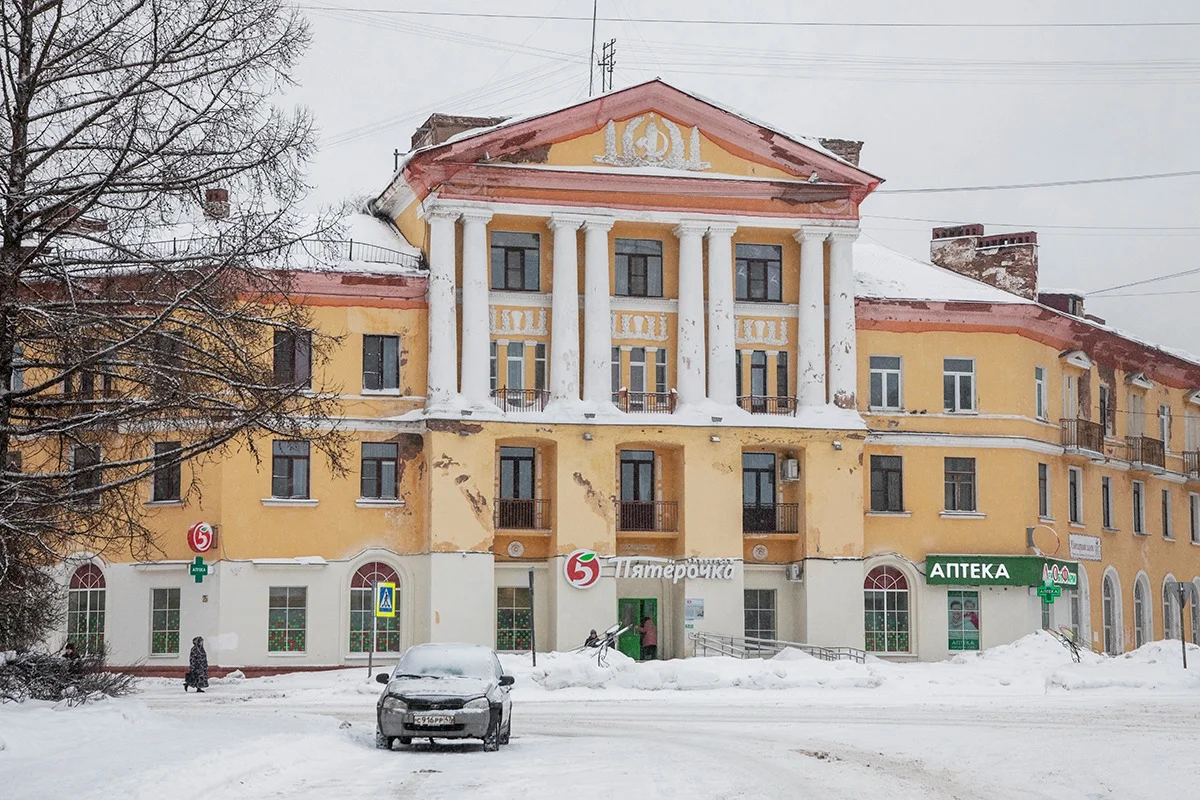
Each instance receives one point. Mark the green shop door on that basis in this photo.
(631, 612)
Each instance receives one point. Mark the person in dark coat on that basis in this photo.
(592, 639)
(197, 666)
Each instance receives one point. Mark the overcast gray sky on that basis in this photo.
(937, 106)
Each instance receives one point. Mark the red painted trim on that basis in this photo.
(1035, 322)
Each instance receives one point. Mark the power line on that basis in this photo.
(1043, 185)
(1039, 226)
(754, 22)
(1144, 282)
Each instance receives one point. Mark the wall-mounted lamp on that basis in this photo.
(587, 437)
(714, 438)
(837, 445)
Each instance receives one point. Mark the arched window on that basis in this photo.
(885, 597)
(1196, 611)
(1141, 612)
(362, 611)
(1170, 609)
(1110, 594)
(85, 610)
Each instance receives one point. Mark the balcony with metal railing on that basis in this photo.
(764, 404)
(1083, 435)
(645, 402)
(522, 514)
(1145, 453)
(521, 400)
(651, 516)
(771, 518)
(1191, 464)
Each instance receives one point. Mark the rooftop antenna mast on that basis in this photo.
(608, 60)
(592, 58)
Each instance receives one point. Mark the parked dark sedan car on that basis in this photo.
(445, 691)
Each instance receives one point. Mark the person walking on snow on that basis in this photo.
(197, 666)
(649, 639)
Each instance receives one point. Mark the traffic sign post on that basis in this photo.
(385, 606)
(1184, 592)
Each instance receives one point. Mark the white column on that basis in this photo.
(597, 313)
(722, 387)
(443, 332)
(564, 316)
(843, 364)
(475, 326)
(810, 370)
(690, 339)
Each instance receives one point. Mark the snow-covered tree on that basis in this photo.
(148, 193)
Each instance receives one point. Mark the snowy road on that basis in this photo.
(236, 742)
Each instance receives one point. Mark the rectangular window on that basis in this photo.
(514, 619)
(289, 470)
(287, 619)
(1164, 426)
(494, 366)
(885, 382)
(887, 483)
(516, 261)
(1044, 491)
(539, 366)
(1191, 431)
(1139, 507)
(758, 373)
(293, 358)
(166, 474)
(1075, 495)
(781, 374)
(616, 372)
(660, 370)
(1194, 518)
(1108, 412)
(164, 621)
(16, 379)
(637, 370)
(1106, 502)
(737, 372)
(378, 480)
(516, 473)
(1039, 392)
(963, 620)
(638, 267)
(515, 366)
(1070, 397)
(960, 484)
(759, 272)
(958, 384)
(1167, 531)
(1136, 405)
(381, 363)
(760, 613)
(85, 463)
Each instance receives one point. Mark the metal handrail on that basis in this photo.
(1191, 463)
(1083, 434)
(520, 400)
(771, 518)
(648, 515)
(1146, 450)
(704, 644)
(767, 404)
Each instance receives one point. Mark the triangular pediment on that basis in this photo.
(651, 129)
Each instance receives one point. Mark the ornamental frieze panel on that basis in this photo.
(750, 330)
(645, 144)
(639, 327)
(518, 321)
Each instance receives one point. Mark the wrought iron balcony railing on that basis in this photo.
(648, 515)
(776, 518)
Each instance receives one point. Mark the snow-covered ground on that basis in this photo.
(1019, 721)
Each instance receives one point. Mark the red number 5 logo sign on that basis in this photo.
(582, 569)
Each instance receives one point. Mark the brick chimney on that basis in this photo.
(845, 149)
(216, 203)
(1007, 261)
(440, 127)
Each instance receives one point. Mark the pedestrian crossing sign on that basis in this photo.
(385, 599)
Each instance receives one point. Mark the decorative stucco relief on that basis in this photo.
(642, 327)
(653, 147)
(762, 331)
(518, 321)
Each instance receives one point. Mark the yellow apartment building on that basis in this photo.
(635, 356)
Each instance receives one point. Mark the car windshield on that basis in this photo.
(447, 662)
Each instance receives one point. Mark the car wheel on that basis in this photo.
(406, 740)
(491, 740)
(381, 741)
(506, 734)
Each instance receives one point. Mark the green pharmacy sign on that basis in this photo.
(977, 570)
(198, 569)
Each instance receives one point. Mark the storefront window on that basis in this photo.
(760, 613)
(362, 611)
(85, 610)
(963, 619)
(514, 619)
(287, 619)
(885, 597)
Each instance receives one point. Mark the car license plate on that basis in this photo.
(431, 720)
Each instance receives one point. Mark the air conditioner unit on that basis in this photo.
(795, 572)
(790, 470)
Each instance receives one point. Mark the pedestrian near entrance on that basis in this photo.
(649, 636)
(197, 666)
(592, 639)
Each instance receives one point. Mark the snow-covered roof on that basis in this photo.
(883, 273)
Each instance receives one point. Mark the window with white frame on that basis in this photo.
(1194, 517)
(287, 619)
(886, 372)
(1196, 613)
(539, 366)
(1139, 507)
(1075, 495)
(960, 485)
(660, 370)
(1112, 615)
(1108, 412)
(16, 378)
(1070, 397)
(1170, 609)
(164, 622)
(381, 363)
(1191, 431)
(637, 370)
(1106, 503)
(514, 619)
(760, 613)
(1039, 392)
(515, 366)
(1141, 612)
(1164, 426)
(1044, 491)
(1167, 531)
(886, 601)
(86, 600)
(1135, 414)
(494, 366)
(616, 372)
(958, 384)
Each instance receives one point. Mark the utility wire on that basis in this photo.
(1144, 282)
(1043, 185)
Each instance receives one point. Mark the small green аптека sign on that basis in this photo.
(198, 569)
